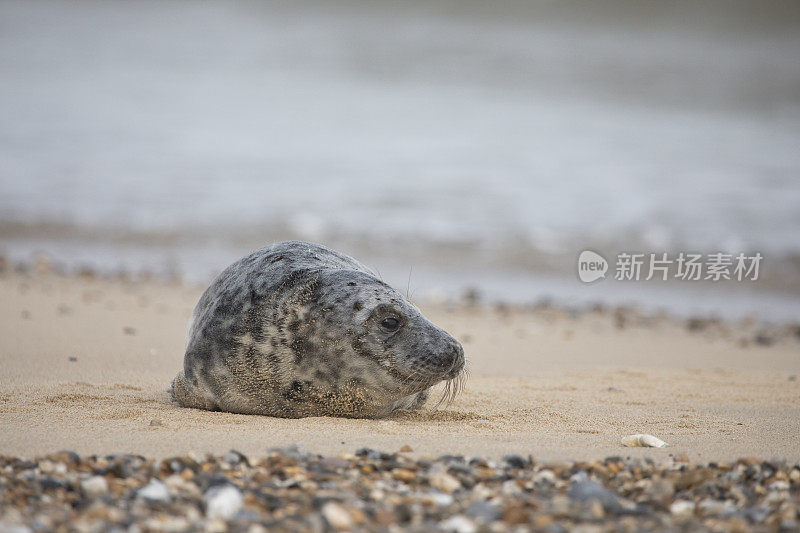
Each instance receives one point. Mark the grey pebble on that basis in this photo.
(583, 490)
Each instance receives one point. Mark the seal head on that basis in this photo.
(297, 329)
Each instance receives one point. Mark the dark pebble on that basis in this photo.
(582, 490)
(515, 461)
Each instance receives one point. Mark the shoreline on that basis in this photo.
(43, 265)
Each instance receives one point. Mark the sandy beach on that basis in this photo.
(489, 161)
(87, 362)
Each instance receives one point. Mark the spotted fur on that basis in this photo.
(294, 330)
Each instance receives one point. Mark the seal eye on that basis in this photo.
(390, 324)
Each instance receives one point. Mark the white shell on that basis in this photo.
(642, 441)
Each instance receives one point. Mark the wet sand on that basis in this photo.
(86, 364)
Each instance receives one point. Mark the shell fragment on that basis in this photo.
(642, 441)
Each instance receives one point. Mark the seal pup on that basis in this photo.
(297, 329)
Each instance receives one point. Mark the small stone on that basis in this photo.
(223, 501)
(516, 514)
(66, 456)
(176, 483)
(510, 488)
(709, 507)
(779, 485)
(691, 478)
(682, 508)
(404, 475)
(763, 339)
(483, 511)
(72, 359)
(560, 505)
(483, 473)
(445, 482)
(334, 463)
(405, 448)
(546, 476)
(46, 467)
(234, 458)
(156, 422)
(583, 490)
(154, 491)
(337, 516)
(696, 323)
(7, 527)
(661, 489)
(515, 461)
(216, 526)
(458, 524)
(749, 461)
(94, 486)
(384, 518)
(127, 330)
(440, 499)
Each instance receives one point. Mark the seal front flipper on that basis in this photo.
(188, 396)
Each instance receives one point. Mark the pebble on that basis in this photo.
(94, 486)
(154, 491)
(445, 482)
(337, 516)
(223, 501)
(516, 514)
(235, 458)
(458, 524)
(406, 476)
(583, 490)
(545, 476)
(441, 499)
(682, 508)
(515, 461)
(483, 511)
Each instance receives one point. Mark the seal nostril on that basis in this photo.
(451, 358)
(456, 357)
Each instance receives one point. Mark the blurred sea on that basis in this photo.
(464, 144)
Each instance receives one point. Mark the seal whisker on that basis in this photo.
(408, 285)
(452, 388)
(446, 397)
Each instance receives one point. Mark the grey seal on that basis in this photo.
(296, 329)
